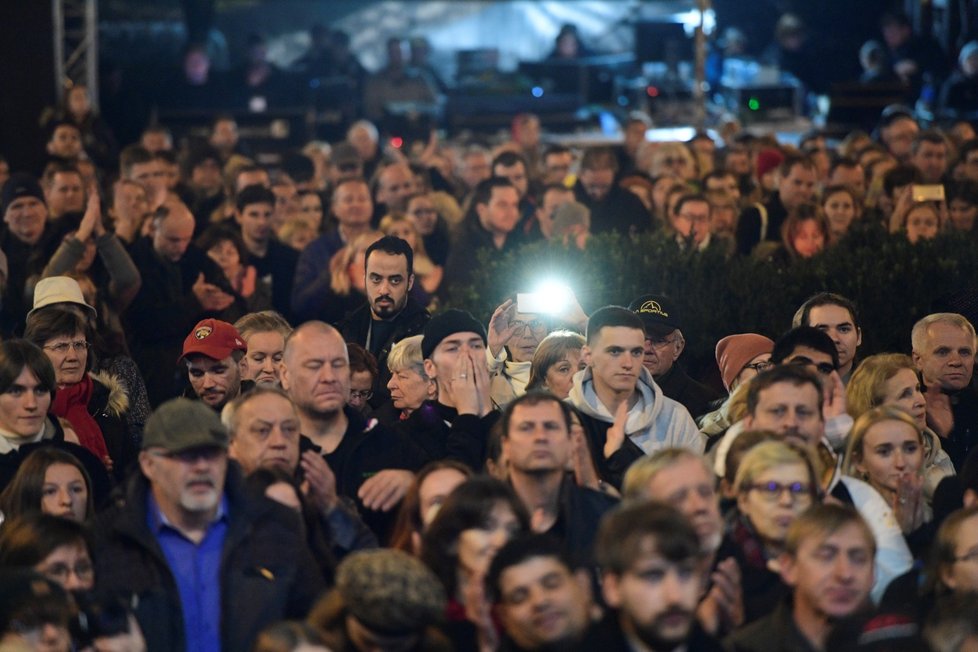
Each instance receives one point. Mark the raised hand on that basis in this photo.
(319, 485)
(616, 433)
(501, 327)
(211, 297)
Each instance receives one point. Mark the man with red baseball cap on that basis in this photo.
(212, 352)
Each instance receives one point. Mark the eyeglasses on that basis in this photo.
(772, 491)
(62, 348)
(694, 218)
(533, 324)
(660, 343)
(362, 395)
(759, 366)
(824, 368)
(60, 572)
(191, 455)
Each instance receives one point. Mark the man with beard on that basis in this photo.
(212, 353)
(652, 574)
(391, 313)
(683, 479)
(192, 551)
(828, 563)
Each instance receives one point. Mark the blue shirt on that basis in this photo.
(197, 571)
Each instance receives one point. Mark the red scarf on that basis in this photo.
(71, 403)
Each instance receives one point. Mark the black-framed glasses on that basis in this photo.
(759, 366)
(63, 347)
(361, 394)
(772, 491)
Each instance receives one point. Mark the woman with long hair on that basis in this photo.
(49, 481)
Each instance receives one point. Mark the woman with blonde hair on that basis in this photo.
(775, 483)
(673, 158)
(886, 450)
(890, 380)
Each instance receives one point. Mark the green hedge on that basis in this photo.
(892, 282)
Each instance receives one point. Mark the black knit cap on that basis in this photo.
(17, 186)
(448, 323)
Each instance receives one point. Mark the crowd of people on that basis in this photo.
(239, 411)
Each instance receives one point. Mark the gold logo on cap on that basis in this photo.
(203, 332)
(654, 308)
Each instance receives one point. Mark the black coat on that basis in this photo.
(578, 517)
(267, 573)
(164, 312)
(462, 266)
(695, 397)
(369, 448)
(108, 406)
(442, 433)
(606, 635)
(101, 482)
(277, 269)
(355, 328)
(749, 225)
(610, 469)
(620, 210)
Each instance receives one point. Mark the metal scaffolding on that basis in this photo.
(75, 45)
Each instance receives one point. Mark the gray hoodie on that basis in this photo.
(655, 421)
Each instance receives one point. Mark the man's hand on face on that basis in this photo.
(469, 385)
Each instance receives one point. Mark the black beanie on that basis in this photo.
(448, 323)
(17, 186)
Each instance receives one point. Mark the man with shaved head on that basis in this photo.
(181, 286)
(371, 464)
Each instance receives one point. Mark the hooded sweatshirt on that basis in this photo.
(655, 421)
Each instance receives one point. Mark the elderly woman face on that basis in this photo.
(408, 389)
(69, 356)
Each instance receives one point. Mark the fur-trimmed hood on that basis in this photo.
(117, 399)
